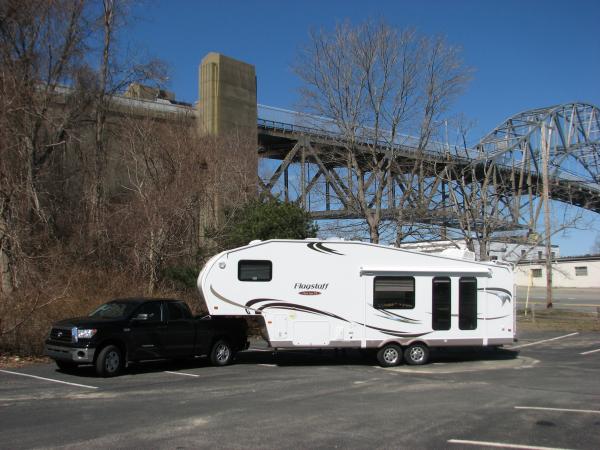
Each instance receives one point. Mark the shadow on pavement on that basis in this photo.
(289, 358)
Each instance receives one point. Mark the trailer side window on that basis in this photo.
(440, 296)
(394, 293)
(467, 303)
(255, 270)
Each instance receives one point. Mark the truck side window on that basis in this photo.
(153, 311)
(394, 293)
(467, 303)
(177, 311)
(255, 270)
(440, 296)
(174, 311)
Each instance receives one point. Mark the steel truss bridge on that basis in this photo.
(305, 160)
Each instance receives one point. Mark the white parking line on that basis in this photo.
(541, 342)
(540, 408)
(590, 351)
(268, 365)
(501, 445)
(49, 379)
(182, 373)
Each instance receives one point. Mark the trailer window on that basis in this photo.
(467, 303)
(255, 270)
(440, 296)
(394, 293)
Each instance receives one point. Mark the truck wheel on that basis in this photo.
(389, 355)
(109, 361)
(221, 353)
(416, 354)
(66, 365)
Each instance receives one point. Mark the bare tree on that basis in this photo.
(41, 44)
(116, 70)
(174, 184)
(378, 85)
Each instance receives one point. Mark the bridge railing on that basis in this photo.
(286, 121)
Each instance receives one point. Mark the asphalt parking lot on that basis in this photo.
(543, 393)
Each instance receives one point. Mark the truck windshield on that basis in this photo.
(114, 310)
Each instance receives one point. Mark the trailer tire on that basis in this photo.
(389, 355)
(416, 354)
(221, 353)
(109, 362)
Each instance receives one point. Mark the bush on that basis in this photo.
(182, 277)
(266, 220)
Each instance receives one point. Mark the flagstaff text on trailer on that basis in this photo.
(321, 286)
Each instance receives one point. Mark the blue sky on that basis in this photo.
(525, 54)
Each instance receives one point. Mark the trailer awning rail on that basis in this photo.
(486, 271)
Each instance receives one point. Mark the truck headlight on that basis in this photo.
(82, 333)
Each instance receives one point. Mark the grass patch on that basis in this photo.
(557, 320)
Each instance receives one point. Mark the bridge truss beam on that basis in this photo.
(501, 175)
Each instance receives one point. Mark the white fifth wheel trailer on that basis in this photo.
(338, 293)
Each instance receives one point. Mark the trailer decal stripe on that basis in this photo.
(223, 299)
(503, 294)
(399, 317)
(319, 247)
(394, 332)
(258, 300)
(327, 249)
(492, 318)
(296, 309)
(506, 291)
(300, 308)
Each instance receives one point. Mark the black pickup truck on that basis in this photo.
(137, 329)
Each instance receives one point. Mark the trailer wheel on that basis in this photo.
(109, 362)
(221, 353)
(389, 355)
(416, 354)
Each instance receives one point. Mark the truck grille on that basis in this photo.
(61, 334)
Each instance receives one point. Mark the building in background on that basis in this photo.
(499, 251)
(529, 260)
(567, 272)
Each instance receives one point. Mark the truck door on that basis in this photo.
(147, 328)
(180, 333)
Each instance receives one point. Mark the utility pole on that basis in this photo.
(546, 140)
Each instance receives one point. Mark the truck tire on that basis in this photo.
(221, 353)
(416, 354)
(389, 355)
(109, 362)
(66, 365)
